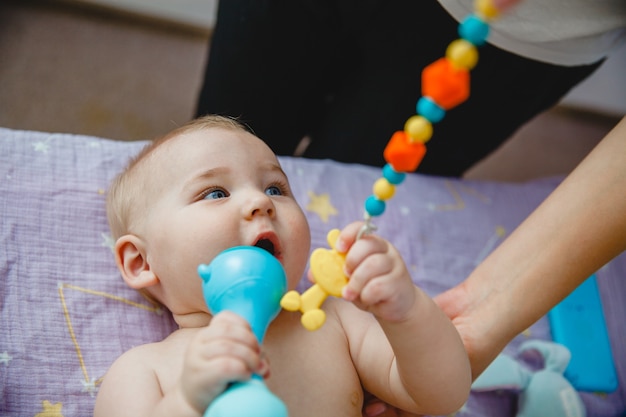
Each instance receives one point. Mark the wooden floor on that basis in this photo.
(76, 70)
(73, 70)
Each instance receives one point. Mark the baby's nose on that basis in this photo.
(260, 205)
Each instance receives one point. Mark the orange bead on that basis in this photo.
(403, 154)
(447, 85)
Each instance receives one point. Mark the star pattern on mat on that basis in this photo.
(5, 358)
(42, 147)
(107, 241)
(321, 205)
(50, 410)
(89, 386)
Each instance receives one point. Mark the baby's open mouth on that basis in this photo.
(266, 244)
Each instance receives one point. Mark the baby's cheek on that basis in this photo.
(294, 276)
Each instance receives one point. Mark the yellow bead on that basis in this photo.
(486, 8)
(462, 54)
(418, 128)
(383, 189)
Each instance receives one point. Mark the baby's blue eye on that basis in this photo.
(273, 190)
(215, 194)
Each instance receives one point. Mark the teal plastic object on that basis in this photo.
(248, 281)
(578, 322)
(473, 29)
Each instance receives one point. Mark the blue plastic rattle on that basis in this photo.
(248, 281)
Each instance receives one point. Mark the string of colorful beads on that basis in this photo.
(445, 84)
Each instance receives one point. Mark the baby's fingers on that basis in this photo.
(229, 341)
(347, 237)
(228, 325)
(367, 280)
(366, 260)
(223, 352)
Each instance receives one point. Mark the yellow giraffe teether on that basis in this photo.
(327, 270)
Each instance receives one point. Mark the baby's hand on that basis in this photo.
(223, 352)
(378, 279)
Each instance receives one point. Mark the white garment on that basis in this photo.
(563, 32)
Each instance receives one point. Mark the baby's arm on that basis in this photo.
(427, 370)
(223, 352)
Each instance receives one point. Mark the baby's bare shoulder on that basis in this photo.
(154, 358)
(145, 372)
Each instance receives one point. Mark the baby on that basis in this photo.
(211, 185)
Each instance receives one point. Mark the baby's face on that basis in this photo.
(211, 190)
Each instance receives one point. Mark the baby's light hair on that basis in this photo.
(126, 189)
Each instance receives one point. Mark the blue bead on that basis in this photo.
(474, 30)
(374, 206)
(392, 176)
(430, 110)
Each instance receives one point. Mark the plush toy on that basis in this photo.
(542, 393)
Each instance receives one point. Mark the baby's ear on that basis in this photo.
(130, 256)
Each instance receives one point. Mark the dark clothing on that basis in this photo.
(347, 73)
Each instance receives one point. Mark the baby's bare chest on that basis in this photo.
(313, 373)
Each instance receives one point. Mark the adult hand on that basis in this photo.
(469, 314)
(460, 307)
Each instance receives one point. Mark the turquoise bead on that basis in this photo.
(392, 176)
(474, 30)
(430, 110)
(374, 206)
